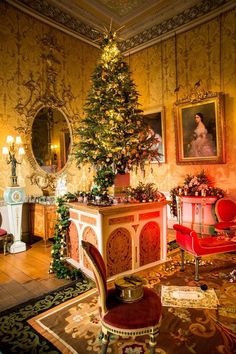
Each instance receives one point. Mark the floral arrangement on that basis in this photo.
(144, 193)
(198, 185)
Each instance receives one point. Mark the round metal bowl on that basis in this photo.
(129, 288)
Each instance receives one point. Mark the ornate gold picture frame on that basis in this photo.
(156, 120)
(200, 129)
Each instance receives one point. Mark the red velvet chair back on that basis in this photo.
(186, 238)
(99, 271)
(225, 210)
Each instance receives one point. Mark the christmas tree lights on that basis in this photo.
(113, 135)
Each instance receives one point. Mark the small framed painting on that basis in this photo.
(200, 130)
(155, 119)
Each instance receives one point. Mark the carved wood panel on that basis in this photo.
(73, 242)
(42, 220)
(149, 243)
(89, 235)
(119, 252)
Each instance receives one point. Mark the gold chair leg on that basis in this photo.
(105, 340)
(182, 260)
(152, 342)
(197, 259)
(4, 247)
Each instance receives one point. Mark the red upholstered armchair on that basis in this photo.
(189, 241)
(124, 319)
(225, 210)
(6, 238)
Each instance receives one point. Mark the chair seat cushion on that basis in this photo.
(225, 225)
(211, 245)
(3, 232)
(143, 313)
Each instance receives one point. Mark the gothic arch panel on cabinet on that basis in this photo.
(149, 243)
(119, 251)
(89, 235)
(73, 242)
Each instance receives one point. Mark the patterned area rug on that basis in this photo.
(188, 297)
(73, 327)
(16, 336)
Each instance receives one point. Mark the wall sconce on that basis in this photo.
(13, 154)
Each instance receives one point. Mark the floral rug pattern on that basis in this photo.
(16, 336)
(74, 327)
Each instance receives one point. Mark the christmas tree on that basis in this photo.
(113, 136)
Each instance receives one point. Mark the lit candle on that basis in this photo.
(18, 140)
(203, 193)
(10, 139)
(21, 151)
(5, 151)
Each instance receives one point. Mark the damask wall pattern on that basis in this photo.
(206, 53)
(21, 52)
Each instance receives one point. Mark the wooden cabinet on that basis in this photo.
(129, 236)
(42, 220)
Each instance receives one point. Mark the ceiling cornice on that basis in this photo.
(182, 22)
(53, 16)
(56, 17)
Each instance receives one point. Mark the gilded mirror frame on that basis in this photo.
(43, 93)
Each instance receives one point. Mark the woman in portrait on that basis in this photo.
(202, 144)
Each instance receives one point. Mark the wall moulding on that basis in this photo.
(137, 38)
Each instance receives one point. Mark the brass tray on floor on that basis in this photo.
(129, 288)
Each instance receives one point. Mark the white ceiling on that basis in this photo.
(140, 22)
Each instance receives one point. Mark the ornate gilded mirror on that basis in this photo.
(50, 139)
(47, 119)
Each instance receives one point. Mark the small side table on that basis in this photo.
(197, 212)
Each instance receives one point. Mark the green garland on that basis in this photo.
(58, 264)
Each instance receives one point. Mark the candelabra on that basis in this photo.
(13, 155)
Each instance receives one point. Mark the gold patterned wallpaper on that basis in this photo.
(205, 53)
(21, 52)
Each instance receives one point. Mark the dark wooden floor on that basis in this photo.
(25, 275)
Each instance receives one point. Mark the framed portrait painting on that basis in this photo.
(155, 119)
(200, 130)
